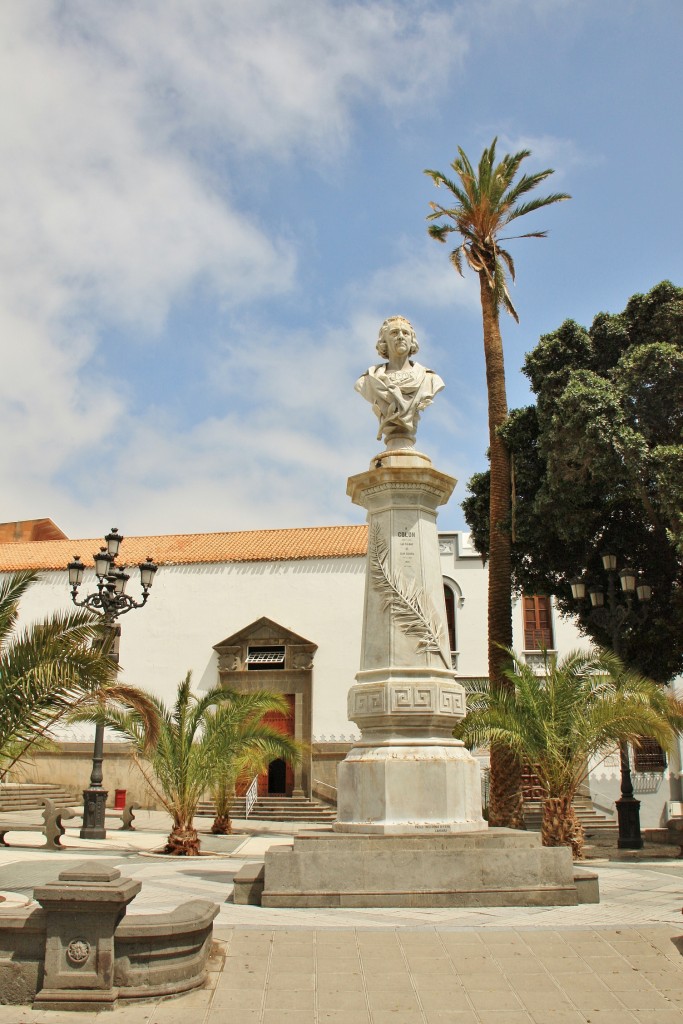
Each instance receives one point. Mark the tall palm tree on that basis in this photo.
(48, 668)
(486, 201)
(192, 752)
(561, 722)
(249, 744)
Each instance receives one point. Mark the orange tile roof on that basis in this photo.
(192, 548)
(30, 529)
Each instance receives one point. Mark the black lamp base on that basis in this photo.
(94, 805)
(628, 813)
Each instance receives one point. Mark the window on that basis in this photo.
(450, 617)
(648, 756)
(260, 658)
(538, 628)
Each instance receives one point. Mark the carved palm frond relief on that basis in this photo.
(411, 607)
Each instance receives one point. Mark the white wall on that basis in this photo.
(193, 607)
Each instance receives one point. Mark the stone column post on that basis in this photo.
(83, 906)
(298, 735)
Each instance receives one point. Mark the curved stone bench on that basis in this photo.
(163, 954)
(79, 951)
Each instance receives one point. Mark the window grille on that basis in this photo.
(265, 657)
(648, 756)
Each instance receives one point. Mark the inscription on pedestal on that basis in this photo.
(407, 555)
(406, 549)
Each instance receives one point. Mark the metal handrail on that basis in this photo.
(251, 796)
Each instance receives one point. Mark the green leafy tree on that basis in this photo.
(561, 722)
(197, 746)
(248, 745)
(598, 462)
(49, 668)
(486, 201)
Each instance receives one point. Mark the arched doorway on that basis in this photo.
(277, 777)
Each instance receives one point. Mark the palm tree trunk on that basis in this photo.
(183, 841)
(222, 825)
(505, 789)
(561, 827)
(505, 799)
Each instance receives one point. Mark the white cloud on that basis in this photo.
(128, 127)
(422, 277)
(548, 151)
(277, 77)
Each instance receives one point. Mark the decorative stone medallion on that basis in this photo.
(77, 952)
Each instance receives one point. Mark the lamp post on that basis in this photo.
(612, 617)
(110, 601)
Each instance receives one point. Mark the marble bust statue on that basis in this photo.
(398, 389)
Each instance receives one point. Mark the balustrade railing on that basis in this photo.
(251, 796)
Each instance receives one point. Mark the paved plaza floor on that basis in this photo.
(618, 962)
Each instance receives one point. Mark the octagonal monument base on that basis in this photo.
(409, 789)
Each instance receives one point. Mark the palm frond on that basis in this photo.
(527, 183)
(12, 589)
(456, 259)
(536, 204)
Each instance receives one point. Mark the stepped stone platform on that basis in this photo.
(492, 868)
(278, 808)
(29, 796)
(593, 822)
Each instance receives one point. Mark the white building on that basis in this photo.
(282, 610)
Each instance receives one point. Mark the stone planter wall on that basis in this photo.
(22, 951)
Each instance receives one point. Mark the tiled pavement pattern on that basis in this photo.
(618, 962)
(406, 976)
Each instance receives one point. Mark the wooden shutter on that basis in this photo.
(538, 628)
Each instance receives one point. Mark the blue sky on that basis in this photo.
(208, 209)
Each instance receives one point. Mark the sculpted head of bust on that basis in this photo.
(397, 341)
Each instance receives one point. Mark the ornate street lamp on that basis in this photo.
(110, 601)
(620, 609)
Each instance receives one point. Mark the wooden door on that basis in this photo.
(284, 723)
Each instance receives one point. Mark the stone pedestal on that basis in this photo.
(83, 909)
(496, 868)
(407, 774)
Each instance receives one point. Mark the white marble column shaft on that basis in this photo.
(406, 773)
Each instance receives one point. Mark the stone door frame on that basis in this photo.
(295, 678)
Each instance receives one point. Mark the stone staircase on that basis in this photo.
(278, 808)
(593, 822)
(28, 796)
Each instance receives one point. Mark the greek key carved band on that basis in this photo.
(406, 697)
